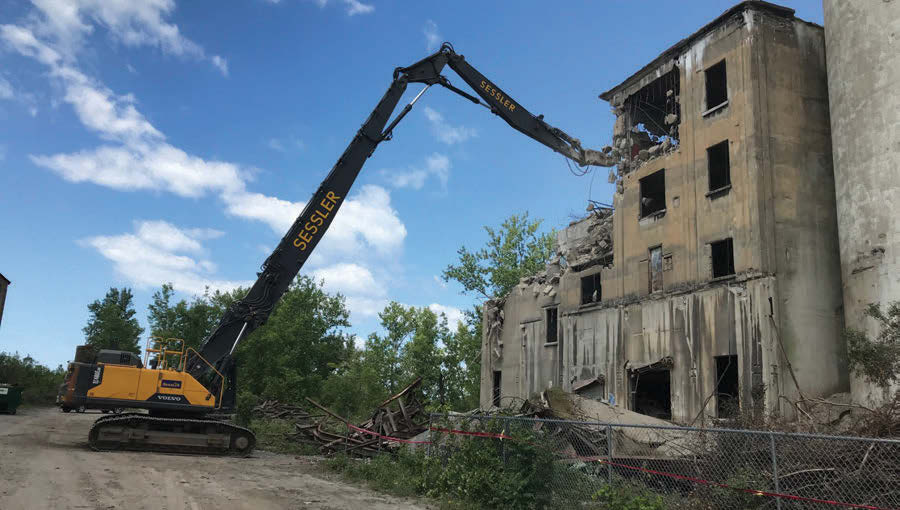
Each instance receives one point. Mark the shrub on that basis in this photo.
(628, 497)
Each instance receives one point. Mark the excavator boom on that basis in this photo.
(180, 400)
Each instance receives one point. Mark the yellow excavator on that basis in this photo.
(185, 391)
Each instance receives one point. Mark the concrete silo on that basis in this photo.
(862, 40)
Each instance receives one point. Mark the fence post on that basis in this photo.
(503, 441)
(775, 469)
(428, 452)
(609, 452)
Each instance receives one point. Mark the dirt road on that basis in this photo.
(45, 463)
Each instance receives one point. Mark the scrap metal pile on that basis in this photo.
(397, 419)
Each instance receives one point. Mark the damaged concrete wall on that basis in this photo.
(863, 42)
(603, 342)
(662, 292)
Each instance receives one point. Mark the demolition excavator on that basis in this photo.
(185, 392)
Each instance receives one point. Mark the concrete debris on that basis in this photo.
(587, 242)
(671, 119)
(493, 313)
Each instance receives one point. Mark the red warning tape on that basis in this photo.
(387, 438)
(673, 475)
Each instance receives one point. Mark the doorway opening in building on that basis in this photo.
(727, 391)
(652, 393)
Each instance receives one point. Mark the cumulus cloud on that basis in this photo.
(158, 252)
(67, 23)
(137, 156)
(365, 295)
(444, 132)
(439, 281)
(432, 36)
(436, 165)
(454, 315)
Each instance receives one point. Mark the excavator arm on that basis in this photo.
(280, 268)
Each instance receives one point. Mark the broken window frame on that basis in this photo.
(655, 265)
(595, 285)
(718, 164)
(726, 244)
(719, 94)
(551, 324)
(649, 181)
(646, 110)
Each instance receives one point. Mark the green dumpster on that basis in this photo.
(10, 398)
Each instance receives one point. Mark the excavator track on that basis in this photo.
(143, 432)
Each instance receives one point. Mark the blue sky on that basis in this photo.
(154, 141)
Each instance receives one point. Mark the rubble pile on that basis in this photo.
(400, 417)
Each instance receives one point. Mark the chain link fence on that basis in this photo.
(603, 464)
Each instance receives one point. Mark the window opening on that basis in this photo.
(496, 400)
(654, 112)
(716, 85)
(727, 394)
(652, 393)
(722, 253)
(656, 269)
(552, 325)
(719, 166)
(653, 193)
(591, 291)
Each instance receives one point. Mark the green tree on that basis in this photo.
(384, 353)
(39, 382)
(513, 251)
(422, 356)
(112, 323)
(300, 346)
(462, 363)
(191, 322)
(877, 360)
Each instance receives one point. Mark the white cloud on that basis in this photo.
(6, 90)
(445, 132)
(454, 315)
(354, 7)
(348, 279)
(221, 64)
(159, 252)
(437, 165)
(432, 36)
(152, 167)
(277, 144)
(67, 23)
(440, 282)
(365, 296)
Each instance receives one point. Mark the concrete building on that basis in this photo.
(716, 281)
(863, 42)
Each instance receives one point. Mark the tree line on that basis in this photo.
(304, 349)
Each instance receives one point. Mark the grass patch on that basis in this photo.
(272, 436)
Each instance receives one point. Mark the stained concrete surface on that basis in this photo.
(45, 463)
